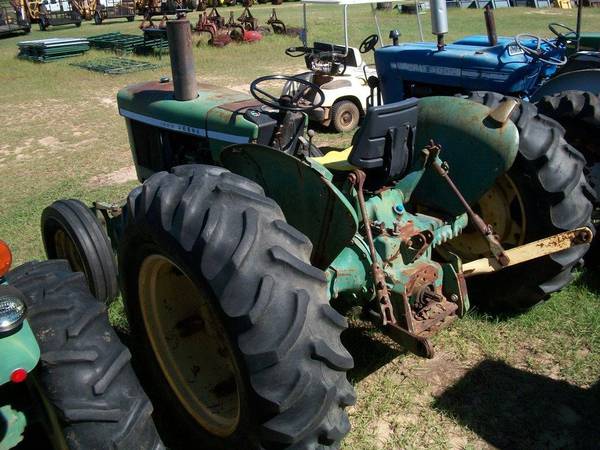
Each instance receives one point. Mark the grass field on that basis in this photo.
(523, 382)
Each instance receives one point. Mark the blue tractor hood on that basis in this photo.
(466, 65)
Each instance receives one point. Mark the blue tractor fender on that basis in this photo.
(579, 80)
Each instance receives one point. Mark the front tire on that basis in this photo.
(85, 371)
(551, 195)
(71, 231)
(345, 116)
(208, 248)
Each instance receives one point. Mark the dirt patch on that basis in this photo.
(440, 372)
(120, 176)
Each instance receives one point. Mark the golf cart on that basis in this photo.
(339, 70)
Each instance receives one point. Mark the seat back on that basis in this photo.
(383, 146)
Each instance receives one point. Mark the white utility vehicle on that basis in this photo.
(339, 70)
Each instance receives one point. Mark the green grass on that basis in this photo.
(521, 382)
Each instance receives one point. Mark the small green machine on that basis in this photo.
(65, 378)
(244, 242)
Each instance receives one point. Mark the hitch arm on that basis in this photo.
(533, 250)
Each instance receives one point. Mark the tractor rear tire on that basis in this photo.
(85, 371)
(579, 114)
(345, 116)
(548, 177)
(71, 231)
(239, 272)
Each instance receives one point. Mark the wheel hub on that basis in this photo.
(502, 208)
(190, 344)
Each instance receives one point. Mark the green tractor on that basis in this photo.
(66, 381)
(232, 250)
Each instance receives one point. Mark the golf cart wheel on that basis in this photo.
(545, 192)
(97, 18)
(231, 324)
(579, 114)
(345, 116)
(91, 396)
(71, 231)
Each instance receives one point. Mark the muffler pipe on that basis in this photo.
(490, 25)
(439, 21)
(183, 71)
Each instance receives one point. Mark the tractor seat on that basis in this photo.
(382, 147)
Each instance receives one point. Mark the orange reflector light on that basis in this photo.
(5, 258)
(18, 375)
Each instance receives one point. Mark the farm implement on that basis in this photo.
(114, 9)
(13, 18)
(65, 377)
(243, 236)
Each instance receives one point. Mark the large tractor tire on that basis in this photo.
(94, 397)
(235, 336)
(71, 231)
(579, 114)
(545, 192)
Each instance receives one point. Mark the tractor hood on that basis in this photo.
(469, 64)
(214, 114)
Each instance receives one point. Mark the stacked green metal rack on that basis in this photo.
(45, 50)
(128, 43)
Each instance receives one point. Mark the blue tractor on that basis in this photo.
(524, 66)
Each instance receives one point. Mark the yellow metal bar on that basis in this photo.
(533, 250)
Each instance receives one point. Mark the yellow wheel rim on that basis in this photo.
(503, 208)
(190, 345)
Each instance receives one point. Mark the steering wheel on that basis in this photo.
(538, 53)
(296, 52)
(286, 102)
(368, 43)
(561, 37)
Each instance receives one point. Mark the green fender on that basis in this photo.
(477, 149)
(19, 350)
(305, 194)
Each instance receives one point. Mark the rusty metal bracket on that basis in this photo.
(485, 229)
(357, 178)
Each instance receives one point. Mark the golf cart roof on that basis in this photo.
(341, 2)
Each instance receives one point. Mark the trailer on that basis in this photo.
(152, 8)
(13, 18)
(114, 9)
(58, 12)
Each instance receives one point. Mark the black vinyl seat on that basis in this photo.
(383, 147)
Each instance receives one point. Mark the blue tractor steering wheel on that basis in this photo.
(537, 52)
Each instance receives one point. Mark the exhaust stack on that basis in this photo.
(490, 25)
(179, 33)
(439, 21)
